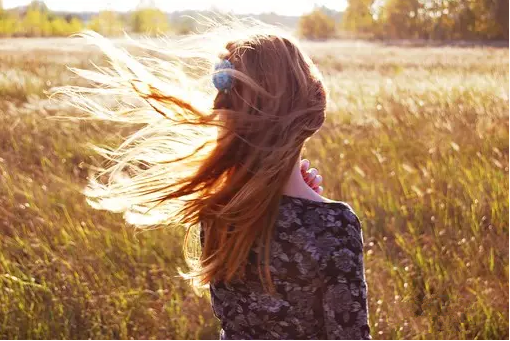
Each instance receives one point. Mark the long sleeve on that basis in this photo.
(344, 288)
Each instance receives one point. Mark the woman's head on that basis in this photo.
(222, 166)
(277, 89)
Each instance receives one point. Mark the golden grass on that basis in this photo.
(416, 140)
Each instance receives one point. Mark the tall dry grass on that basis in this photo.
(416, 140)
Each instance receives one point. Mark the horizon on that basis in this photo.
(299, 7)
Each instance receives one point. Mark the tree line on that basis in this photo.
(413, 19)
(383, 19)
(428, 19)
(36, 20)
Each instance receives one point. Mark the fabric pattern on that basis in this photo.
(318, 272)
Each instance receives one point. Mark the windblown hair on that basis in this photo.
(205, 158)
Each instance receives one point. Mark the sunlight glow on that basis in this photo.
(294, 8)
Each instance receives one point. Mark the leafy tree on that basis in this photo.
(62, 28)
(316, 25)
(75, 25)
(106, 23)
(36, 23)
(430, 19)
(491, 18)
(359, 17)
(465, 19)
(502, 12)
(401, 19)
(37, 5)
(59, 27)
(149, 21)
(8, 25)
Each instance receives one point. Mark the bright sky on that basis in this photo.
(284, 7)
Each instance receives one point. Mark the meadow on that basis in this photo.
(416, 140)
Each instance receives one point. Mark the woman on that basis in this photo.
(281, 261)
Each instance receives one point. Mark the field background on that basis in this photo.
(416, 140)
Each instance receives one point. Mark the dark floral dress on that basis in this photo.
(318, 272)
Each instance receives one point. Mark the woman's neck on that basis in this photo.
(297, 187)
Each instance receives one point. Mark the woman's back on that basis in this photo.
(318, 272)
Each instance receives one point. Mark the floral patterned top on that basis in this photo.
(318, 272)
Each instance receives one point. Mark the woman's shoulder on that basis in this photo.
(323, 224)
(321, 210)
(319, 202)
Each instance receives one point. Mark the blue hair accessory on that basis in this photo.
(222, 80)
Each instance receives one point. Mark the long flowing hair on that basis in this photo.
(209, 161)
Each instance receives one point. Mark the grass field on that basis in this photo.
(416, 140)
